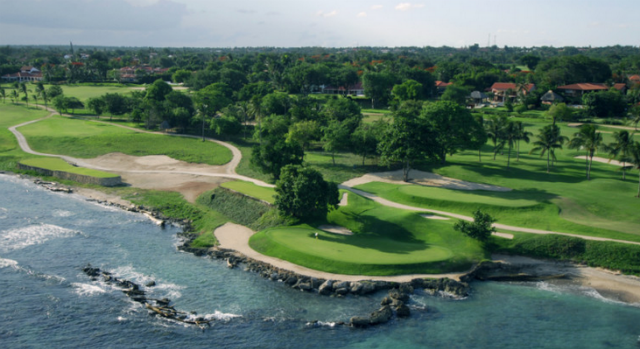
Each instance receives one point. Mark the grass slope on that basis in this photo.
(11, 115)
(88, 139)
(55, 164)
(386, 241)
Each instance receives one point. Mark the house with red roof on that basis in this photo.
(580, 89)
(441, 86)
(500, 89)
(26, 73)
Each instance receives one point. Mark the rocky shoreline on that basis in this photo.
(395, 303)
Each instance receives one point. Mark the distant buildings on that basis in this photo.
(26, 73)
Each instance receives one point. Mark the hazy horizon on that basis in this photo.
(289, 23)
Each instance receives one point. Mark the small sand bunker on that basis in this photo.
(336, 229)
(432, 216)
(503, 235)
(604, 160)
(575, 124)
(422, 178)
(156, 160)
(344, 201)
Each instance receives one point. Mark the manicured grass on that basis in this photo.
(84, 92)
(56, 164)
(250, 189)
(386, 241)
(376, 111)
(11, 115)
(88, 139)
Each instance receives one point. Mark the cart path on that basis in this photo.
(237, 156)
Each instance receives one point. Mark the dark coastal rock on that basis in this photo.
(342, 291)
(342, 284)
(359, 321)
(150, 284)
(402, 310)
(326, 288)
(398, 295)
(381, 315)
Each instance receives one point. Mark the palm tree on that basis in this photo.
(245, 109)
(3, 93)
(510, 134)
(523, 135)
(15, 96)
(45, 97)
(257, 110)
(548, 141)
(23, 89)
(620, 149)
(589, 140)
(635, 160)
(495, 128)
(634, 114)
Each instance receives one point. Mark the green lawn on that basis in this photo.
(250, 189)
(11, 115)
(56, 164)
(88, 139)
(386, 241)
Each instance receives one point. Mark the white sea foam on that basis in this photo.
(3, 213)
(16, 239)
(8, 263)
(87, 289)
(167, 289)
(322, 324)
(62, 213)
(220, 316)
(120, 318)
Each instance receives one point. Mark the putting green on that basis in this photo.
(356, 248)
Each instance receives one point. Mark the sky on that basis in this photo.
(328, 23)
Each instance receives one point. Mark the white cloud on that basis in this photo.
(376, 7)
(142, 3)
(405, 6)
(327, 14)
(362, 14)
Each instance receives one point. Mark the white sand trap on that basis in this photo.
(344, 201)
(575, 124)
(156, 160)
(503, 235)
(432, 216)
(604, 160)
(336, 229)
(422, 178)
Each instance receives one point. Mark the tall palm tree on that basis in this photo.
(3, 93)
(245, 110)
(44, 96)
(23, 89)
(15, 96)
(634, 115)
(549, 139)
(257, 110)
(523, 135)
(620, 149)
(589, 140)
(495, 128)
(510, 134)
(635, 160)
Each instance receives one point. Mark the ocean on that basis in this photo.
(46, 301)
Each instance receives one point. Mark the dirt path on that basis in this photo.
(156, 171)
(236, 237)
(604, 160)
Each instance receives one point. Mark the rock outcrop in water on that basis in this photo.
(159, 307)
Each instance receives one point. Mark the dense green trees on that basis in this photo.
(481, 227)
(301, 192)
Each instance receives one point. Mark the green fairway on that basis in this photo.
(250, 189)
(84, 92)
(386, 241)
(56, 164)
(11, 115)
(88, 139)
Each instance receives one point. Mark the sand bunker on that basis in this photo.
(123, 162)
(344, 201)
(336, 229)
(432, 216)
(422, 178)
(604, 160)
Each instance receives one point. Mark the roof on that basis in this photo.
(503, 86)
(585, 86)
(478, 95)
(551, 96)
(620, 86)
(443, 84)
(634, 77)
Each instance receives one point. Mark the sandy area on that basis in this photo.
(125, 163)
(236, 237)
(336, 229)
(432, 216)
(421, 178)
(344, 201)
(608, 284)
(503, 235)
(604, 160)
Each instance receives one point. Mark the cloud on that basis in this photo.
(95, 15)
(376, 7)
(405, 6)
(246, 12)
(362, 14)
(327, 14)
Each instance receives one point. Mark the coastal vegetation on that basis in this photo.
(57, 164)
